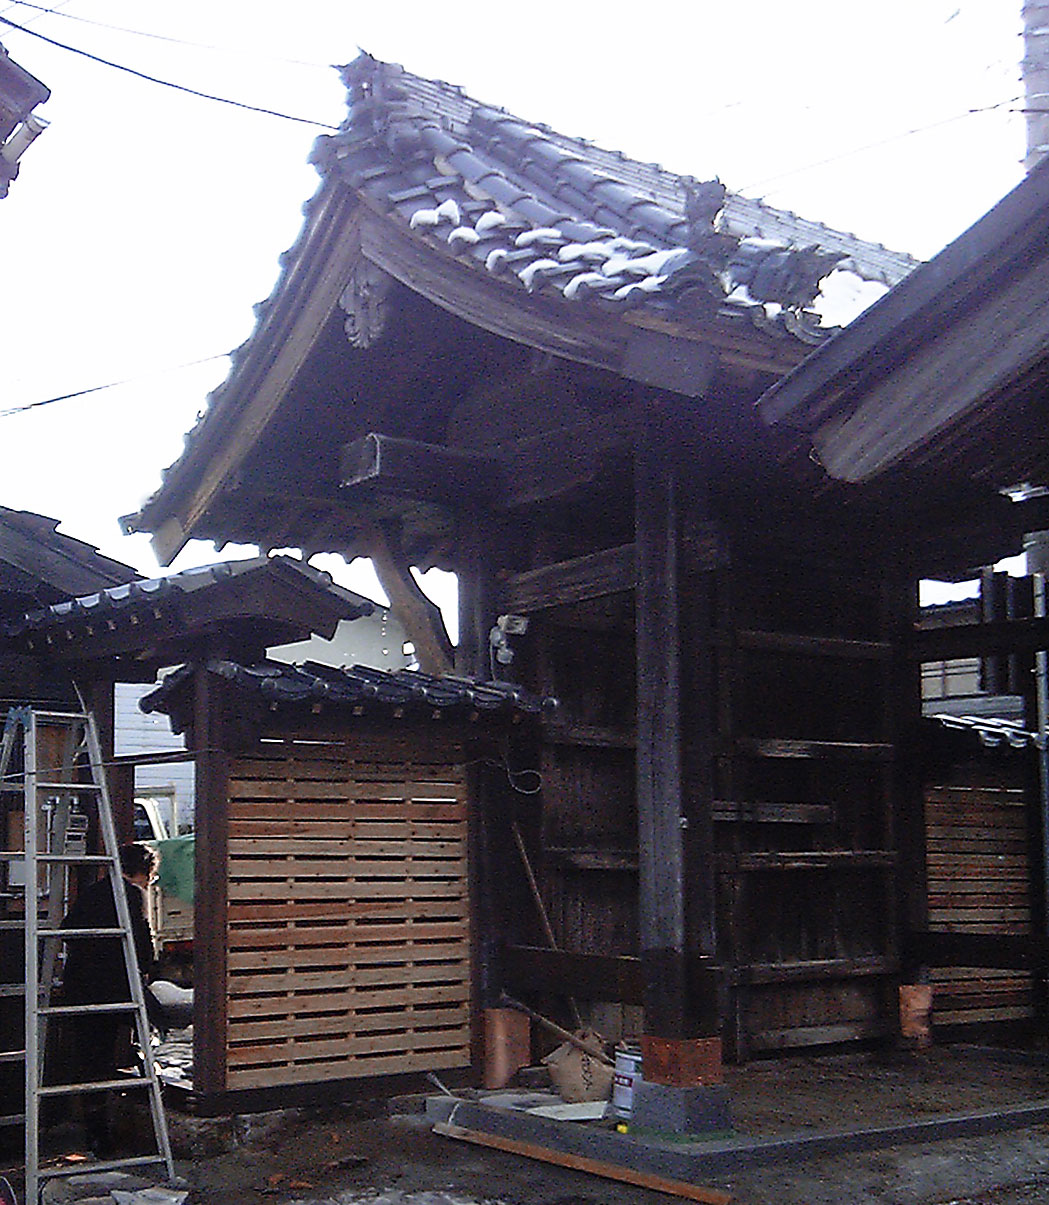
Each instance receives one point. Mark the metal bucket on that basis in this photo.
(626, 1075)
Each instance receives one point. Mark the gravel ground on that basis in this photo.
(362, 1156)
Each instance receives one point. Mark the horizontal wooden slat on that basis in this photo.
(376, 834)
(342, 1022)
(350, 1068)
(803, 750)
(772, 813)
(813, 646)
(324, 843)
(826, 968)
(818, 1035)
(295, 1053)
(401, 955)
(268, 911)
(318, 889)
(327, 998)
(360, 869)
(302, 936)
(830, 859)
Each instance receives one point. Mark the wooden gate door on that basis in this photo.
(348, 915)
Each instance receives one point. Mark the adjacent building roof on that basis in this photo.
(521, 232)
(143, 625)
(945, 377)
(358, 690)
(20, 93)
(39, 566)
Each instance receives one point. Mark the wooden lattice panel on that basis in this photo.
(349, 926)
(979, 876)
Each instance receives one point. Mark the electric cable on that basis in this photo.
(153, 79)
(159, 37)
(64, 397)
(870, 146)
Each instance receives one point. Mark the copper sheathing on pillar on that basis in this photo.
(681, 1062)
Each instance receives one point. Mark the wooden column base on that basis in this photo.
(507, 1045)
(681, 1062)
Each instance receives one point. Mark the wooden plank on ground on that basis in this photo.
(595, 1167)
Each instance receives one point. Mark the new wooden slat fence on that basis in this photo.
(348, 916)
(978, 882)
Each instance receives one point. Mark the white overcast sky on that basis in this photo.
(146, 223)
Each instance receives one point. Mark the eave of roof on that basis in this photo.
(833, 379)
(158, 621)
(63, 566)
(354, 692)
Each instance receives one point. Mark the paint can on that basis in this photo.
(627, 1073)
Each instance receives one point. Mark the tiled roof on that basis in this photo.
(20, 93)
(40, 564)
(148, 593)
(541, 211)
(991, 732)
(358, 687)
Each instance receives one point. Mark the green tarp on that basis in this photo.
(175, 874)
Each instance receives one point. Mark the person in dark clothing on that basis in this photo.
(96, 973)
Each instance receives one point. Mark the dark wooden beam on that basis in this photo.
(551, 464)
(611, 571)
(1002, 951)
(1000, 638)
(408, 468)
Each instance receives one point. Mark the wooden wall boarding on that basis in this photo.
(979, 882)
(348, 914)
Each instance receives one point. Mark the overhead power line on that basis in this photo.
(152, 79)
(871, 146)
(65, 397)
(158, 37)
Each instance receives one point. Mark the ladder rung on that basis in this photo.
(12, 989)
(12, 1056)
(80, 932)
(8, 925)
(19, 855)
(75, 859)
(102, 1165)
(12, 1119)
(67, 716)
(100, 1085)
(70, 787)
(58, 788)
(79, 1010)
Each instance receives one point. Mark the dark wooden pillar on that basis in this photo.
(676, 863)
(99, 697)
(904, 806)
(211, 890)
(474, 569)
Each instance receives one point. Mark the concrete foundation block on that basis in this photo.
(675, 1110)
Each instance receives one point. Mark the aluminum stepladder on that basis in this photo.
(71, 771)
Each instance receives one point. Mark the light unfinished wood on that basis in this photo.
(349, 939)
(353, 1067)
(349, 999)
